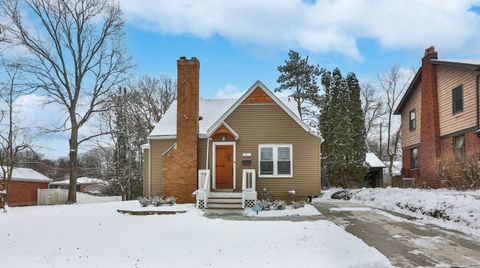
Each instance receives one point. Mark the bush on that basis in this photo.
(462, 173)
(264, 194)
(299, 204)
(265, 204)
(279, 205)
(156, 201)
(144, 201)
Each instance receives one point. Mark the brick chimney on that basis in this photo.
(430, 145)
(179, 177)
(187, 103)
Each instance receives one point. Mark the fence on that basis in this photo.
(60, 196)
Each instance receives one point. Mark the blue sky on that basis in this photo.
(239, 42)
(157, 36)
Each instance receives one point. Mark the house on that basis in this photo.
(374, 177)
(84, 185)
(212, 150)
(23, 187)
(440, 115)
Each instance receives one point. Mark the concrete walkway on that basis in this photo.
(404, 242)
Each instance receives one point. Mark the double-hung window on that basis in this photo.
(275, 160)
(459, 146)
(413, 158)
(457, 100)
(412, 120)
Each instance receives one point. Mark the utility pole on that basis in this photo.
(381, 151)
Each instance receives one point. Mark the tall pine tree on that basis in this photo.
(342, 127)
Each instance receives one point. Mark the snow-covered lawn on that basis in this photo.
(307, 210)
(95, 235)
(450, 209)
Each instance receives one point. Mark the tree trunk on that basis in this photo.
(72, 187)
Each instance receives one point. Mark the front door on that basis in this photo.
(224, 166)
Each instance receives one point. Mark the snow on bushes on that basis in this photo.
(458, 210)
(156, 201)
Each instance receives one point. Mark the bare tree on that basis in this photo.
(393, 83)
(76, 56)
(373, 107)
(14, 138)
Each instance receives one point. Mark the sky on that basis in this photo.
(240, 42)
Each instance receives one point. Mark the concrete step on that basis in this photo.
(224, 206)
(232, 200)
(225, 195)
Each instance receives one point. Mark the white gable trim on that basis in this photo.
(272, 96)
(235, 134)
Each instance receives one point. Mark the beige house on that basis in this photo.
(219, 152)
(440, 115)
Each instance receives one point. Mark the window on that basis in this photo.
(413, 120)
(413, 158)
(459, 146)
(457, 100)
(275, 160)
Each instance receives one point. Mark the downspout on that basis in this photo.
(478, 103)
(208, 148)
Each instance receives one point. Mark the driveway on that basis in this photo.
(405, 242)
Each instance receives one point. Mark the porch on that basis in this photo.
(208, 197)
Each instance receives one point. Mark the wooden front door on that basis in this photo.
(224, 166)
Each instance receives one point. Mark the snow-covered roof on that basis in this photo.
(27, 174)
(80, 181)
(460, 61)
(373, 161)
(211, 110)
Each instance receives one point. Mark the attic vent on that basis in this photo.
(200, 118)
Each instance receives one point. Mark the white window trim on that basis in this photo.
(214, 147)
(275, 160)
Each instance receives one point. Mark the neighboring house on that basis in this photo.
(241, 145)
(84, 185)
(24, 185)
(374, 176)
(440, 115)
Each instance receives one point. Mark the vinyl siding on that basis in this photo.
(157, 148)
(269, 124)
(449, 78)
(410, 138)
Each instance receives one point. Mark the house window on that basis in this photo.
(413, 120)
(413, 158)
(275, 160)
(459, 146)
(457, 100)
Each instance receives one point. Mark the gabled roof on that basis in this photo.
(215, 111)
(471, 64)
(411, 88)
(27, 174)
(373, 161)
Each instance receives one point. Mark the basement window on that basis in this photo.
(457, 99)
(275, 160)
(413, 158)
(459, 146)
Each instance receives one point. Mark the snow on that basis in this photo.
(81, 181)
(456, 210)
(210, 110)
(373, 161)
(307, 210)
(27, 174)
(95, 235)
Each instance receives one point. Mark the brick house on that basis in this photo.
(24, 186)
(219, 152)
(440, 115)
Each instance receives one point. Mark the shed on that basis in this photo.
(24, 186)
(374, 177)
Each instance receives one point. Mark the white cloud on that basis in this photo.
(323, 26)
(229, 92)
